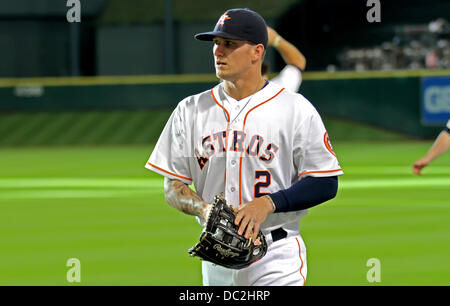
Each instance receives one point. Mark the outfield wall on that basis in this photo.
(390, 100)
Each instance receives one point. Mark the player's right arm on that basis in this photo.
(169, 159)
(439, 147)
(183, 198)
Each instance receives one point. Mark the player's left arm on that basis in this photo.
(304, 194)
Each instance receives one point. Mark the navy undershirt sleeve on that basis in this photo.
(306, 193)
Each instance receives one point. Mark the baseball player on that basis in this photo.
(439, 147)
(290, 77)
(265, 148)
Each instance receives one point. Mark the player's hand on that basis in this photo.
(252, 215)
(272, 34)
(419, 165)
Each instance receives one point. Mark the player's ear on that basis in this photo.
(258, 52)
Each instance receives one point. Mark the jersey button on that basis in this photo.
(233, 162)
(232, 189)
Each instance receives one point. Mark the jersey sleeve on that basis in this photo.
(313, 152)
(290, 78)
(170, 157)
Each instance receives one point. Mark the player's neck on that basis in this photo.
(242, 88)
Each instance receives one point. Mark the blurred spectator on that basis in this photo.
(412, 47)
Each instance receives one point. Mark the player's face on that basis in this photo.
(232, 58)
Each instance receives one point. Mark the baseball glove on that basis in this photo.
(220, 242)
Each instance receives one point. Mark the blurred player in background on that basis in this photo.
(439, 147)
(291, 75)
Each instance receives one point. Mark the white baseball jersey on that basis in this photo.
(245, 149)
(290, 78)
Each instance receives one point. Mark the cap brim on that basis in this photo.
(208, 36)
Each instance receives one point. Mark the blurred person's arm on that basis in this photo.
(439, 147)
(290, 54)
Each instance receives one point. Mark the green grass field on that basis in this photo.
(100, 205)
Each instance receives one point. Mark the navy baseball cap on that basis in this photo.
(239, 24)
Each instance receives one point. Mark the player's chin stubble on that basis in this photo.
(219, 74)
(218, 70)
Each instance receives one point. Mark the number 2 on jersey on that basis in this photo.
(263, 183)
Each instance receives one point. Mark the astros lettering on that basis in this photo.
(218, 140)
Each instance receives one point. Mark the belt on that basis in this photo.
(278, 234)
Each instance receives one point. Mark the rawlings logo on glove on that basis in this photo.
(226, 253)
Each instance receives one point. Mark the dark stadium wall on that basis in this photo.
(117, 38)
(393, 103)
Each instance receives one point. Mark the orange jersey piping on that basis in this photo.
(322, 171)
(168, 172)
(301, 260)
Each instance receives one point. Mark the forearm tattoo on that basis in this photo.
(183, 198)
